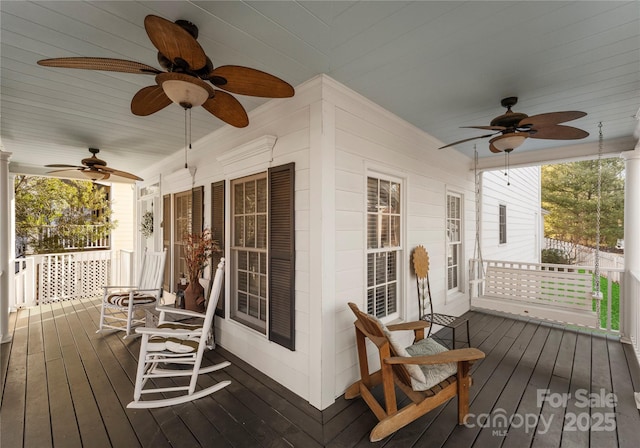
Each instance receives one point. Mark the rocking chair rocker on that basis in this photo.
(179, 344)
(426, 372)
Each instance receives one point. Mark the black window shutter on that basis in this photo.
(282, 256)
(197, 209)
(217, 231)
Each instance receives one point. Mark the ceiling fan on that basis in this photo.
(187, 70)
(93, 168)
(514, 128)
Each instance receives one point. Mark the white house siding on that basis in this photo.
(221, 156)
(333, 135)
(122, 237)
(522, 198)
(368, 137)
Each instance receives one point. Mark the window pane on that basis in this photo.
(394, 237)
(242, 302)
(381, 305)
(384, 196)
(384, 230)
(238, 199)
(254, 265)
(254, 284)
(372, 195)
(391, 267)
(394, 198)
(370, 301)
(242, 281)
(238, 232)
(370, 270)
(242, 260)
(372, 231)
(261, 231)
(253, 307)
(261, 187)
(263, 310)
(250, 231)
(250, 197)
(381, 269)
(391, 298)
(263, 263)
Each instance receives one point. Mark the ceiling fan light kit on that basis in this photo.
(506, 142)
(185, 90)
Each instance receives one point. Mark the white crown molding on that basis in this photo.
(259, 150)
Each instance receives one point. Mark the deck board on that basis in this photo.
(64, 385)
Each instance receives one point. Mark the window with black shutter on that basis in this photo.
(263, 253)
(218, 232)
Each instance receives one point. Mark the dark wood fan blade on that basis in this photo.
(488, 128)
(105, 64)
(551, 118)
(558, 132)
(467, 140)
(227, 108)
(249, 81)
(174, 42)
(62, 165)
(149, 100)
(124, 174)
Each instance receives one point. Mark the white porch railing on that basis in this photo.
(72, 275)
(54, 277)
(93, 239)
(610, 307)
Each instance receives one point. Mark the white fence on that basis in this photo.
(586, 256)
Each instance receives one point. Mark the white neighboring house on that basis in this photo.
(511, 223)
(319, 202)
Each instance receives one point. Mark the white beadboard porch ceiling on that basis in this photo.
(438, 65)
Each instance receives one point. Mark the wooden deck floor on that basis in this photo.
(65, 386)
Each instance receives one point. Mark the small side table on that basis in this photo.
(448, 321)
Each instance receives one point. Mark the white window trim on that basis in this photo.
(506, 240)
(452, 294)
(403, 268)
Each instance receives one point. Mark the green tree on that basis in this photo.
(570, 194)
(79, 212)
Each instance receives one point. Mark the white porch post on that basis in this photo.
(631, 235)
(5, 238)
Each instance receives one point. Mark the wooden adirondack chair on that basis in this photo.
(426, 372)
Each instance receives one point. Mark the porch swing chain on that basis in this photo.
(477, 251)
(597, 294)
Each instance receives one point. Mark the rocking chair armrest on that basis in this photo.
(168, 332)
(415, 325)
(172, 310)
(463, 354)
(120, 287)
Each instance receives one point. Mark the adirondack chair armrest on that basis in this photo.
(460, 355)
(415, 325)
(168, 332)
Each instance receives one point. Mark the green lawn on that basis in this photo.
(615, 304)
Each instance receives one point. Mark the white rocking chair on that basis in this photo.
(179, 344)
(121, 303)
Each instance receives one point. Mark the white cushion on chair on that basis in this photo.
(173, 344)
(422, 377)
(434, 373)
